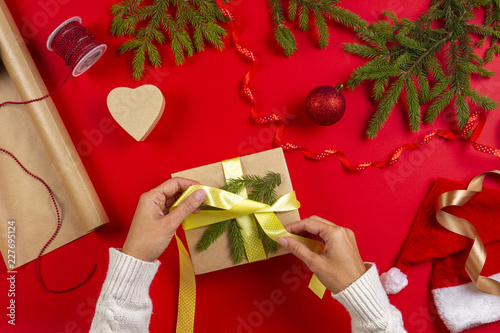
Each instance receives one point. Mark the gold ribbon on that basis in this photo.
(234, 206)
(231, 206)
(187, 291)
(254, 248)
(477, 256)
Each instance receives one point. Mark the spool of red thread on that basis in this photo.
(76, 45)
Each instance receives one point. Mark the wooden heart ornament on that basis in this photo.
(136, 110)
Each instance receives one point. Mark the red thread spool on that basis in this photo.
(78, 48)
(76, 45)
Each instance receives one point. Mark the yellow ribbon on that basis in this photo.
(187, 291)
(234, 206)
(231, 206)
(254, 248)
(477, 256)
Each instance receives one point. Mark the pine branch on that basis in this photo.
(379, 88)
(413, 106)
(405, 52)
(385, 107)
(213, 232)
(261, 188)
(481, 100)
(282, 34)
(321, 11)
(438, 105)
(237, 243)
(194, 25)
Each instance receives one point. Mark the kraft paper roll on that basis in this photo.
(36, 134)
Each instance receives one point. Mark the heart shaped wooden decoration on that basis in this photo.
(136, 110)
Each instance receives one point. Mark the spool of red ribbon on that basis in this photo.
(75, 45)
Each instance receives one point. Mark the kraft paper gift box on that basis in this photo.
(218, 255)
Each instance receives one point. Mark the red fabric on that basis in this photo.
(429, 240)
(449, 271)
(206, 120)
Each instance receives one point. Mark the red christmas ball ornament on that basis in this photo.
(325, 105)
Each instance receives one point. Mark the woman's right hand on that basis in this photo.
(340, 264)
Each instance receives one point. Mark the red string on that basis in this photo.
(72, 43)
(476, 116)
(40, 98)
(38, 262)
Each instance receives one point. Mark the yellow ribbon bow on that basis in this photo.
(231, 206)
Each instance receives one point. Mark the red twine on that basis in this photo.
(38, 263)
(475, 116)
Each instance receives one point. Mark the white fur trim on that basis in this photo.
(393, 280)
(462, 307)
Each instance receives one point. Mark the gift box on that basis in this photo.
(218, 255)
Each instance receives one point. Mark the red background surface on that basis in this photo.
(207, 120)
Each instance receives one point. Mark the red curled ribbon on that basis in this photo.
(476, 117)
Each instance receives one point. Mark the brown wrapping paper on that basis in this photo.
(218, 255)
(36, 135)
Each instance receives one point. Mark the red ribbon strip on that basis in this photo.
(38, 263)
(476, 116)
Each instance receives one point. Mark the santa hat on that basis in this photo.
(459, 303)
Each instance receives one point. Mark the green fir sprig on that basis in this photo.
(261, 189)
(187, 24)
(407, 56)
(303, 11)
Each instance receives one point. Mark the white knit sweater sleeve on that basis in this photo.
(124, 304)
(369, 305)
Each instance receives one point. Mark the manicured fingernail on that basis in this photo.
(200, 195)
(282, 241)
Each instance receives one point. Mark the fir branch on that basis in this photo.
(237, 243)
(413, 105)
(461, 109)
(282, 33)
(385, 107)
(213, 232)
(261, 188)
(481, 100)
(361, 50)
(379, 88)
(302, 11)
(406, 53)
(150, 25)
(424, 86)
(438, 105)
